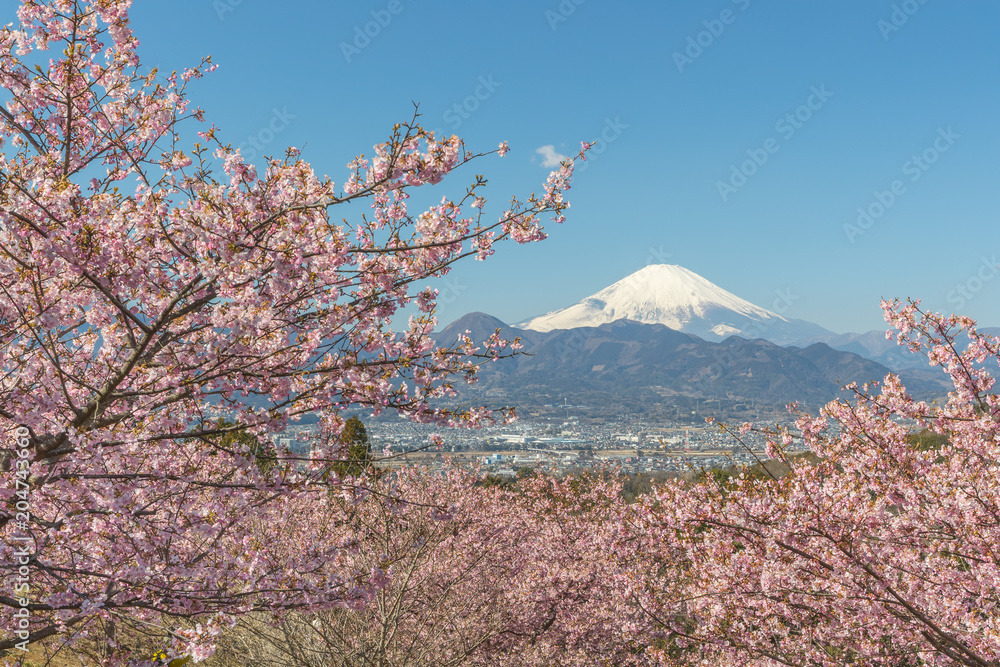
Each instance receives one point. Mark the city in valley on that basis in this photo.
(556, 445)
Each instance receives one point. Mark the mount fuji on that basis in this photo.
(659, 341)
(682, 300)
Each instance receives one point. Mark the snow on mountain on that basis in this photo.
(680, 299)
(725, 330)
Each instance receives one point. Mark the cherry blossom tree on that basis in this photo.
(156, 297)
(447, 548)
(880, 551)
(501, 576)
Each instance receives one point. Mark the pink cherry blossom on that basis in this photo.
(880, 546)
(158, 297)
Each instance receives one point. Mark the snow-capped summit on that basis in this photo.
(680, 299)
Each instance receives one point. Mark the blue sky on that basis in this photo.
(893, 110)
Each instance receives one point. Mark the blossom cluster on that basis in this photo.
(165, 309)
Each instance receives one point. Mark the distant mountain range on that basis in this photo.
(874, 345)
(685, 301)
(666, 335)
(655, 364)
(682, 300)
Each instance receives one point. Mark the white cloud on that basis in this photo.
(550, 157)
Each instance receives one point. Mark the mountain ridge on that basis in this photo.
(655, 365)
(680, 299)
